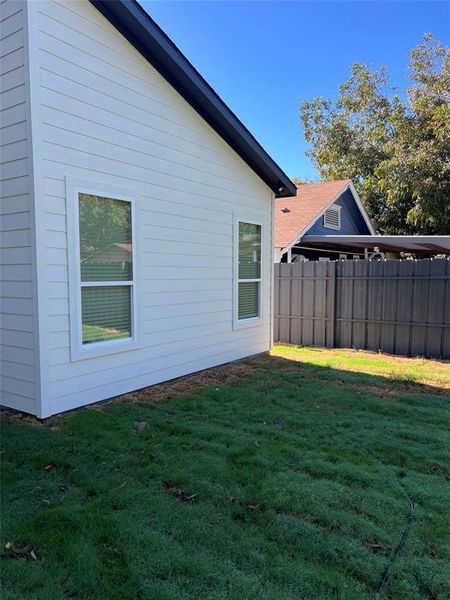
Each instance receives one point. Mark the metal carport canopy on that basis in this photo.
(428, 244)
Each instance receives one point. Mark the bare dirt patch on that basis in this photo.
(14, 416)
(222, 375)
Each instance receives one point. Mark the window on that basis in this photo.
(332, 217)
(103, 290)
(248, 267)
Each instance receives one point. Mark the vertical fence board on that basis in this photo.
(404, 307)
(390, 292)
(337, 303)
(397, 306)
(331, 304)
(446, 301)
(276, 302)
(375, 304)
(297, 304)
(420, 307)
(359, 304)
(285, 308)
(436, 307)
(308, 303)
(346, 303)
(320, 305)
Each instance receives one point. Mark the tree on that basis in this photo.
(397, 152)
(302, 180)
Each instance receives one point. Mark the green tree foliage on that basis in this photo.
(103, 221)
(397, 152)
(303, 180)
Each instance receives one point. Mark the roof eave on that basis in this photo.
(389, 243)
(131, 20)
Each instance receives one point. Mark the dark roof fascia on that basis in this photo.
(131, 20)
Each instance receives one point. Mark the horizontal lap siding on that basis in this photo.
(108, 116)
(17, 345)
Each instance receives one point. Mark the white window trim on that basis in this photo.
(252, 322)
(330, 225)
(78, 350)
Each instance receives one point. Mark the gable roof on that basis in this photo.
(304, 208)
(136, 25)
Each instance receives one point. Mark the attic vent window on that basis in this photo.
(332, 217)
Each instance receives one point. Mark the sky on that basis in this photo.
(264, 57)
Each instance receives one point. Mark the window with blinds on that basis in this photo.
(332, 217)
(106, 268)
(249, 271)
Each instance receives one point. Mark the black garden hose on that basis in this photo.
(401, 544)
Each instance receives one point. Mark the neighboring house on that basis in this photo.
(329, 207)
(137, 210)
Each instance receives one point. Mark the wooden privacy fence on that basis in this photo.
(396, 306)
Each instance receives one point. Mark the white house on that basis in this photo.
(136, 210)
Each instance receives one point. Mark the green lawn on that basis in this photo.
(96, 333)
(272, 479)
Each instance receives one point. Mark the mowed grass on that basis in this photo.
(399, 368)
(96, 333)
(281, 484)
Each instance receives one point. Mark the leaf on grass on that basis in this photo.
(25, 551)
(115, 551)
(21, 550)
(179, 494)
(140, 426)
(313, 519)
(376, 546)
(251, 506)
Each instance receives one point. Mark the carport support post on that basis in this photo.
(289, 255)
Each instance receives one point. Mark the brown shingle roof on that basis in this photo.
(303, 209)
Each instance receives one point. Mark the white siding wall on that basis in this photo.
(17, 314)
(108, 116)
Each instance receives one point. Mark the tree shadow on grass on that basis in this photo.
(390, 385)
